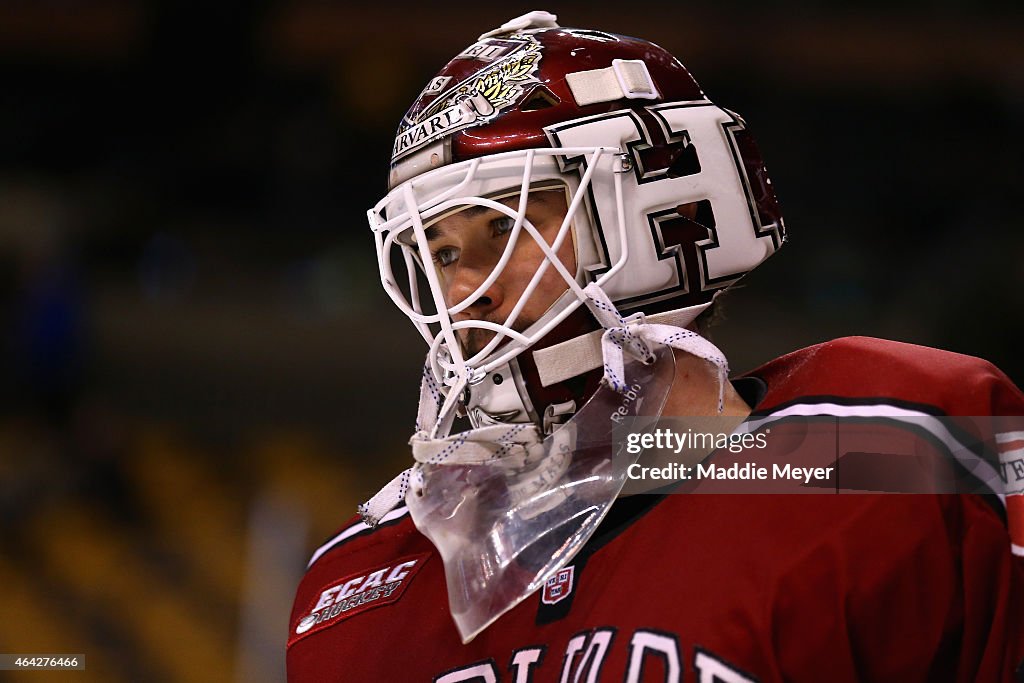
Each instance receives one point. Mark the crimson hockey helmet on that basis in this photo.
(666, 203)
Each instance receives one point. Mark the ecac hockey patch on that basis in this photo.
(357, 593)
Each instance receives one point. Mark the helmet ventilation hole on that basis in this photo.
(540, 98)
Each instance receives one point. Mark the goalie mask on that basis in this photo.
(585, 157)
(563, 204)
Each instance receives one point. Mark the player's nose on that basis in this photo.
(468, 279)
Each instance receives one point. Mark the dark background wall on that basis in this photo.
(189, 313)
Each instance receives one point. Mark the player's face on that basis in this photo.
(466, 246)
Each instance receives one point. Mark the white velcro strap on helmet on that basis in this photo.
(574, 357)
(625, 78)
(534, 19)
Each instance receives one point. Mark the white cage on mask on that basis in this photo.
(400, 222)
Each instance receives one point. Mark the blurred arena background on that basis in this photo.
(201, 376)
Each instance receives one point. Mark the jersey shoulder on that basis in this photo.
(355, 536)
(857, 368)
(358, 568)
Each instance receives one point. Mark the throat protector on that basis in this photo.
(504, 523)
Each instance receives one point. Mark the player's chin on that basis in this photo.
(474, 340)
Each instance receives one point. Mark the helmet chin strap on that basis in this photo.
(433, 445)
(636, 336)
(476, 446)
(579, 355)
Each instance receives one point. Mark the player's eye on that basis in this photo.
(445, 256)
(502, 226)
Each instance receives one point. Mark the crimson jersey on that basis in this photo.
(714, 588)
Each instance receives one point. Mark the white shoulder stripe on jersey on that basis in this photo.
(983, 470)
(352, 531)
(1009, 437)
